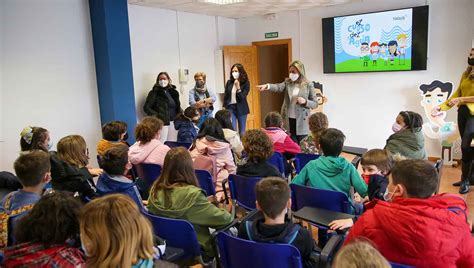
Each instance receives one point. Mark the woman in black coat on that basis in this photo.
(235, 97)
(163, 102)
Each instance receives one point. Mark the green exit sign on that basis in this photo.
(271, 35)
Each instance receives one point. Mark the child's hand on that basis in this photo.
(357, 198)
(341, 224)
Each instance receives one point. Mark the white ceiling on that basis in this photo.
(240, 10)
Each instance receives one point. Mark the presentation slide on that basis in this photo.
(373, 42)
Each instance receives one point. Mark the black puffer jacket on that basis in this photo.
(156, 103)
(65, 177)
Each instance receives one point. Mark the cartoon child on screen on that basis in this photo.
(374, 52)
(402, 44)
(437, 128)
(392, 51)
(383, 53)
(364, 53)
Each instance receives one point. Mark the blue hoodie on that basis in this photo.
(331, 173)
(118, 184)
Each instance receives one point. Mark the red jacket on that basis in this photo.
(429, 232)
(38, 255)
(282, 143)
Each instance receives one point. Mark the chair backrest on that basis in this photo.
(278, 161)
(242, 190)
(303, 196)
(236, 252)
(173, 144)
(302, 159)
(398, 265)
(148, 172)
(177, 233)
(205, 181)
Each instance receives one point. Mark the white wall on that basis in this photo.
(48, 72)
(154, 41)
(365, 105)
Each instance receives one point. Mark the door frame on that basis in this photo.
(277, 42)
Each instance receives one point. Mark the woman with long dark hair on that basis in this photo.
(235, 98)
(163, 102)
(463, 97)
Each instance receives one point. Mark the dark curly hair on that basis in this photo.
(53, 220)
(257, 144)
(318, 122)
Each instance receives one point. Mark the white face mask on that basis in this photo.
(235, 75)
(386, 195)
(50, 145)
(294, 77)
(163, 83)
(396, 127)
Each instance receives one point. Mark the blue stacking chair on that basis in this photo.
(173, 144)
(205, 181)
(236, 252)
(398, 265)
(178, 234)
(278, 161)
(242, 190)
(304, 196)
(148, 172)
(302, 159)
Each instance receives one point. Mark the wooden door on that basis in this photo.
(247, 56)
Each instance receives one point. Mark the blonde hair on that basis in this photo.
(73, 150)
(200, 74)
(360, 254)
(115, 233)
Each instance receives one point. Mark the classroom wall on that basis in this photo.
(156, 47)
(48, 74)
(364, 105)
(2, 4)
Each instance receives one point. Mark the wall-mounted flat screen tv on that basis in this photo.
(393, 40)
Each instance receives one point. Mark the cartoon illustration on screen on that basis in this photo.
(383, 38)
(437, 127)
(364, 53)
(318, 88)
(392, 51)
(383, 53)
(402, 43)
(374, 52)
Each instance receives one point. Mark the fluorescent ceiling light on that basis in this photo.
(222, 2)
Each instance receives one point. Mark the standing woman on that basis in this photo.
(299, 99)
(235, 96)
(163, 102)
(463, 97)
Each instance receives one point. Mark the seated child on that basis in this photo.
(282, 142)
(185, 124)
(115, 164)
(113, 134)
(35, 138)
(224, 118)
(318, 122)
(273, 199)
(33, 171)
(148, 149)
(114, 233)
(258, 147)
(360, 254)
(330, 171)
(49, 235)
(69, 170)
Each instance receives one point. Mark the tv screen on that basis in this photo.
(394, 40)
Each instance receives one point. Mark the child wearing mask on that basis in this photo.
(408, 139)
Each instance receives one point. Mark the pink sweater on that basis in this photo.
(224, 158)
(282, 143)
(153, 152)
